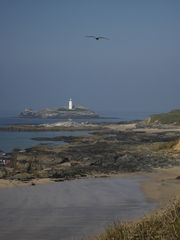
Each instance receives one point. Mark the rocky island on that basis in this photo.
(72, 111)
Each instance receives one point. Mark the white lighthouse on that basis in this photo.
(70, 104)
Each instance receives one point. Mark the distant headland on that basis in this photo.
(70, 111)
(172, 117)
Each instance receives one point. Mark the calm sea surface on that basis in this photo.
(8, 118)
(22, 140)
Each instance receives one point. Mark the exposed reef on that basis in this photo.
(107, 151)
(59, 126)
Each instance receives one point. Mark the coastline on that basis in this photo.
(71, 209)
(73, 126)
(156, 188)
(159, 185)
(6, 183)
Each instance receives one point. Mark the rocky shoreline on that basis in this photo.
(61, 126)
(107, 151)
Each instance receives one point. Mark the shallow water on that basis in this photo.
(7, 121)
(22, 140)
(69, 210)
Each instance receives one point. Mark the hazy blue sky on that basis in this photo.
(45, 58)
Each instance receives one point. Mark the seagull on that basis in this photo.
(97, 37)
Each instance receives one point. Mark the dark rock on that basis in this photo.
(3, 172)
(123, 152)
(22, 177)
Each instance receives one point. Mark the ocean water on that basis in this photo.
(22, 140)
(9, 117)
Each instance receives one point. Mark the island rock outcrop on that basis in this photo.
(62, 112)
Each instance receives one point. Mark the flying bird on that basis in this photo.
(98, 37)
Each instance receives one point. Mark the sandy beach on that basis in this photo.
(15, 183)
(162, 185)
(71, 209)
(133, 127)
(78, 208)
(85, 204)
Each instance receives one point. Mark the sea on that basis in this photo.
(22, 140)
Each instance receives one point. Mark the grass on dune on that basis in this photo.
(162, 225)
(172, 117)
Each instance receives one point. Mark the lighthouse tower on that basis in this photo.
(70, 104)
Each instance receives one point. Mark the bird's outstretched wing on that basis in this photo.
(104, 38)
(91, 37)
(97, 37)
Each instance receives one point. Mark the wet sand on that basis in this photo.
(133, 127)
(71, 209)
(5, 183)
(162, 185)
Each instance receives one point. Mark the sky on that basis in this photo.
(45, 57)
